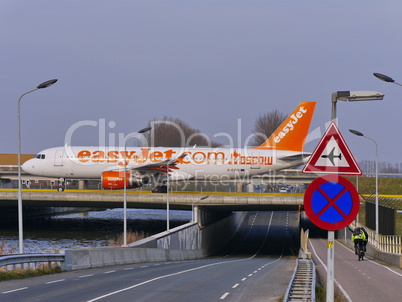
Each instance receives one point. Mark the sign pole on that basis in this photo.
(330, 267)
(331, 202)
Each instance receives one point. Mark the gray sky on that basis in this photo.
(208, 63)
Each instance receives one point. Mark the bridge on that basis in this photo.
(146, 199)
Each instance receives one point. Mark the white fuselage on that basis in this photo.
(199, 163)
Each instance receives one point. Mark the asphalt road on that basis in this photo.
(256, 266)
(363, 281)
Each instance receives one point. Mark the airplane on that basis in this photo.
(154, 165)
(331, 156)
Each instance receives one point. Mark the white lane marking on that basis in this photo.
(14, 290)
(325, 267)
(185, 271)
(244, 279)
(129, 269)
(109, 272)
(392, 271)
(166, 276)
(224, 296)
(85, 276)
(236, 285)
(250, 275)
(55, 281)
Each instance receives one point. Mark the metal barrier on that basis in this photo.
(302, 286)
(13, 260)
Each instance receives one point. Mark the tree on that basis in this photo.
(173, 132)
(265, 125)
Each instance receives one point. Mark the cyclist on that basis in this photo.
(366, 238)
(358, 237)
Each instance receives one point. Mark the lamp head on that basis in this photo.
(46, 84)
(352, 96)
(383, 77)
(145, 130)
(355, 132)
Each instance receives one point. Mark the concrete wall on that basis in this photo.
(345, 236)
(185, 242)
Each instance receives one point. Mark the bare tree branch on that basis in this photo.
(265, 125)
(173, 132)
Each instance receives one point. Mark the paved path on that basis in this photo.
(364, 281)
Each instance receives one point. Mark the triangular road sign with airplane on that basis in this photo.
(332, 155)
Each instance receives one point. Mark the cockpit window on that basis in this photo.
(43, 156)
(40, 156)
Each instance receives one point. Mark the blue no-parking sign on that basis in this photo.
(331, 202)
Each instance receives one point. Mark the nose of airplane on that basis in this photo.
(28, 166)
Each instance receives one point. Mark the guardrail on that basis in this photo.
(302, 286)
(22, 260)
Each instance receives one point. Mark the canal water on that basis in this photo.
(90, 229)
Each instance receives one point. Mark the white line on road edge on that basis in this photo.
(325, 267)
(396, 273)
(163, 277)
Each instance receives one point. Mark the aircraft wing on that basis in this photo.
(297, 157)
(164, 166)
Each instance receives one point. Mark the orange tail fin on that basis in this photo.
(292, 133)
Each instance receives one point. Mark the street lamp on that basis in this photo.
(355, 132)
(125, 181)
(350, 96)
(168, 188)
(20, 227)
(192, 206)
(385, 78)
(353, 96)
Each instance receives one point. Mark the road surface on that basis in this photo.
(256, 266)
(362, 281)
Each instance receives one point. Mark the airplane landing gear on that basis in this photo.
(61, 185)
(159, 189)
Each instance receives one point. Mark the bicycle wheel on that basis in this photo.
(359, 252)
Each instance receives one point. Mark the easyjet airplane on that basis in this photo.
(282, 150)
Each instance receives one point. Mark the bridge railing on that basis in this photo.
(26, 259)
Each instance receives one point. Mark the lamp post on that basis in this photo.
(358, 133)
(167, 198)
(20, 227)
(168, 188)
(350, 96)
(385, 78)
(125, 181)
(192, 206)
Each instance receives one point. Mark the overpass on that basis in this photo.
(146, 199)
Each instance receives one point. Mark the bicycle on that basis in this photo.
(360, 250)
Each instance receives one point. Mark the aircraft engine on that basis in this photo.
(115, 180)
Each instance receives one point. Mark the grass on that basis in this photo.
(26, 273)
(386, 185)
(131, 237)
